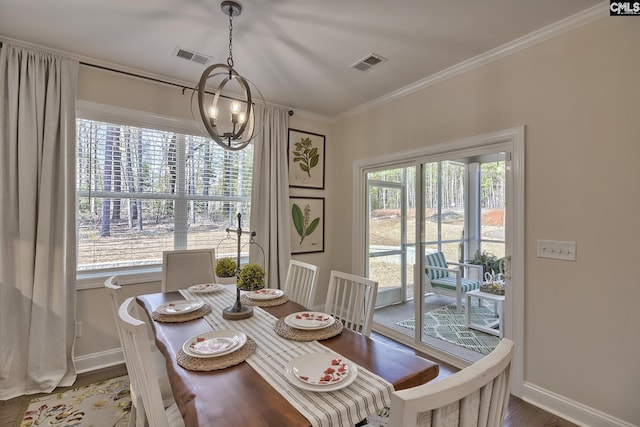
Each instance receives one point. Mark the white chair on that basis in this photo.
(352, 299)
(301, 283)
(137, 417)
(181, 269)
(141, 373)
(444, 280)
(475, 396)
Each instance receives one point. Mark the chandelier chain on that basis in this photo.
(230, 58)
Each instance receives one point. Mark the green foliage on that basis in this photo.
(489, 262)
(226, 267)
(306, 155)
(301, 221)
(251, 277)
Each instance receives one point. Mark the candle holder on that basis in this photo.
(238, 311)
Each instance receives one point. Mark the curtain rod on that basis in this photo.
(127, 73)
(153, 79)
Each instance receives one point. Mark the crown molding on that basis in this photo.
(568, 24)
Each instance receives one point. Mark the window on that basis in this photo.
(142, 191)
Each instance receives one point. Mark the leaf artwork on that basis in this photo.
(306, 155)
(304, 228)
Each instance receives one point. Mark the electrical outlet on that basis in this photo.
(554, 249)
(78, 329)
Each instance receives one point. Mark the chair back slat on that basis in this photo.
(301, 283)
(351, 299)
(137, 356)
(476, 396)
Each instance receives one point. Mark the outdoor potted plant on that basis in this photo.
(489, 262)
(251, 277)
(226, 269)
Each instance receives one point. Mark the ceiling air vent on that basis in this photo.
(368, 62)
(192, 56)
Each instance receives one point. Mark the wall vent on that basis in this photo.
(368, 62)
(192, 56)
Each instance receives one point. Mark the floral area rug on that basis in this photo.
(445, 324)
(101, 404)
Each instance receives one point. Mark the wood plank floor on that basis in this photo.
(519, 413)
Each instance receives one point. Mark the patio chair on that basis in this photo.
(475, 396)
(301, 282)
(137, 353)
(444, 280)
(351, 299)
(183, 268)
(138, 417)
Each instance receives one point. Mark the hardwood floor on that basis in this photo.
(519, 413)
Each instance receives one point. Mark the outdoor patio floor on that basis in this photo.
(389, 316)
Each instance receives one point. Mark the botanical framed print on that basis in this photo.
(307, 224)
(306, 159)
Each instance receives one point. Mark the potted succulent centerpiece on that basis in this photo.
(226, 269)
(251, 277)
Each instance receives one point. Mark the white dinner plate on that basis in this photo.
(265, 293)
(309, 320)
(214, 343)
(179, 307)
(205, 288)
(308, 371)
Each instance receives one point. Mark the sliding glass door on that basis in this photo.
(453, 203)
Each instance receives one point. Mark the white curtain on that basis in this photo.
(270, 196)
(37, 221)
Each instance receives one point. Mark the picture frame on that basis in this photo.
(306, 155)
(306, 218)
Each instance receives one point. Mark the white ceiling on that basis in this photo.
(298, 52)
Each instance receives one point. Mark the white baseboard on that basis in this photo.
(569, 409)
(95, 361)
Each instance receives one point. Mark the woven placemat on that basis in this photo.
(286, 331)
(263, 302)
(214, 363)
(185, 317)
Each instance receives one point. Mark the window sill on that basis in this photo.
(95, 279)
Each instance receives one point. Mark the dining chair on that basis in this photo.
(183, 268)
(301, 283)
(351, 299)
(475, 396)
(137, 354)
(137, 417)
(442, 279)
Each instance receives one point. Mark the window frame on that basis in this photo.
(90, 279)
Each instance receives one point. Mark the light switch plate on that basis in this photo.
(557, 250)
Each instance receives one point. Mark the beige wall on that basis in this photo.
(322, 260)
(579, 97)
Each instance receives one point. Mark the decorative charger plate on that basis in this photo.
(265, 293)
(205, 288)
(321, 372)
(179, 307)
(309, 320)
(214, 343)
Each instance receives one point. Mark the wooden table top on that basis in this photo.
(238, 396)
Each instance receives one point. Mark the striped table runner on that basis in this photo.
(346, 407)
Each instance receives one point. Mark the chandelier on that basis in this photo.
(228, 113)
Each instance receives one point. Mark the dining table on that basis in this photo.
(239, 395)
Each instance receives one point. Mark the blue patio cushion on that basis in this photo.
(436, 260)
(450, 284)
